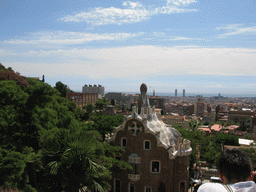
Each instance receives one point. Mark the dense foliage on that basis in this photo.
(206, 148)
(105, 123)
(45, 144)
(62, 88)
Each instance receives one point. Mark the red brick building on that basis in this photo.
(82, 99)
(156, 151)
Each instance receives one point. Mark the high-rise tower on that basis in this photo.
(176, 92)
(183, 92)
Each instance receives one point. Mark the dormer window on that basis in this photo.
(124, 142)
(147, 145)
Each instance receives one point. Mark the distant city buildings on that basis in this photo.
(241, 117)
(115, 95)
(199, 109)
(158, 102)
(94, 89)
(176, 93)
(206, 109)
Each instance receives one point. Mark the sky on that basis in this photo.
(202, 46)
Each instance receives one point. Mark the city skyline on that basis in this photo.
(202, 46)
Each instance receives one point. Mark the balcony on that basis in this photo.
(133, 177)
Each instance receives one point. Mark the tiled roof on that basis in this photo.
(216, 127)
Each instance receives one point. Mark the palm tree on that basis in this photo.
(73, 162)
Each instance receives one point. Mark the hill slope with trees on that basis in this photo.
(45, 145)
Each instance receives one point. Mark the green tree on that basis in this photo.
(213, 149)
(32, 116)
(49, 111)
(193, 124)
(251, 152)
(100, 103)
(105, 123)
(2, 68)
(89, 108)
(13, 166)
(73, 162)
(245, 125)
(248, 136)
(226, 139)
(62, 88)
(197, 141)
(13, 116)
(110, 154)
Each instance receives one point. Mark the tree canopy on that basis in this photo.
(46, 145)
(62, 88)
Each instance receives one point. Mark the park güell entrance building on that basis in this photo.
(156, 151)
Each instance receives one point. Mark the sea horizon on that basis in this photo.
(166, 94)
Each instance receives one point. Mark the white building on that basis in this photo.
(94, 89)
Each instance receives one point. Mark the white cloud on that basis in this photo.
(144, 61)
(67, 38)
(135, 12)
(178, 38)
(230, 27)
(237, 29)
(104, 16)
(163, 37)
(180, 2)
(171, 9)
(132, 4)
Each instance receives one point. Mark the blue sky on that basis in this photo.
(203, 46)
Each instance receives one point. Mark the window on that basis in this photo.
(136, 168)
(134, 160)
(148, 189)
(117, 185)
(131, 187)
(182, 186)
(123, 142)
(155, 166)
(147, 145)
